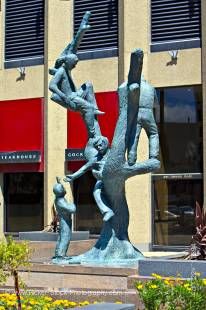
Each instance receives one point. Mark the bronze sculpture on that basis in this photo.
(63, 88)
(96, 152)
(64, 210)
(110, 167)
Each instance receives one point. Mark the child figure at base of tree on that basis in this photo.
(64, 210)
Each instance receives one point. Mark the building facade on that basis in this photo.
(41, 140)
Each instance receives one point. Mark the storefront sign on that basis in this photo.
(74, 154)
(177, 176)
(20, 157)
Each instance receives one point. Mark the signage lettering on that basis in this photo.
(74, 155)
(20, 157)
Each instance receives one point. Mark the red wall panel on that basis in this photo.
(76, 129)
(21, 129)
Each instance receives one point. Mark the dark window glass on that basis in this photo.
(24, 31)
(174, 210)
(179, 118)
(103, 34)
(88, 216)
(23, 194)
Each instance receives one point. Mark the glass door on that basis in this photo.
(178, 184)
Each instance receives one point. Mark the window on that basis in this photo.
(102, 38)
(178, 184)
(175, 24)
(174, 210)
(179, 119)
(24, 33)
(24, 201)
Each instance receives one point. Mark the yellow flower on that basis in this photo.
(157, 276)
(47, 298)
(197, 274)
(72, 303)
(139, 287)
(32, 302)
(153, 286)
(189, 288)
(85, 303)
(11, 303)
(57, 302)
(204, 281)
(186, 285)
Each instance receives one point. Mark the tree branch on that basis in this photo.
(143, 167)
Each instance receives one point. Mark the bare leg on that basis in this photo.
(152, 133)
(89, 95)
(56, 98)
(104, 209)
(132, 149)
(63, 238)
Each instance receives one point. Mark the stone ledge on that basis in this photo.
(80, 269)
(51, 236)
(107, 306)
(183, 268)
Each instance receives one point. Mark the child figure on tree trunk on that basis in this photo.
(63, 89)
(96, 152)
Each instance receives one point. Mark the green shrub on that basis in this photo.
(12, 256)
(173, 293)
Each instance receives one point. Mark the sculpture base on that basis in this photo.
(74, 260)
(108, 251)
(52, 276)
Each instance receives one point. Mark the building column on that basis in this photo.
(134, 34)
(2, 206)
(58, 33)
(203, 15)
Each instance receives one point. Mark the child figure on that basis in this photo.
(96, 152)
(64, 210)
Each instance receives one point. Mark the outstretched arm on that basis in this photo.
(80, 172)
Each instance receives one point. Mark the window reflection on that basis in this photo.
(23, 193)
(178, 184)
(174, 212)
(179, 118)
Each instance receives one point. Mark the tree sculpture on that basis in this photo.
(113, 245)
(114, 166)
